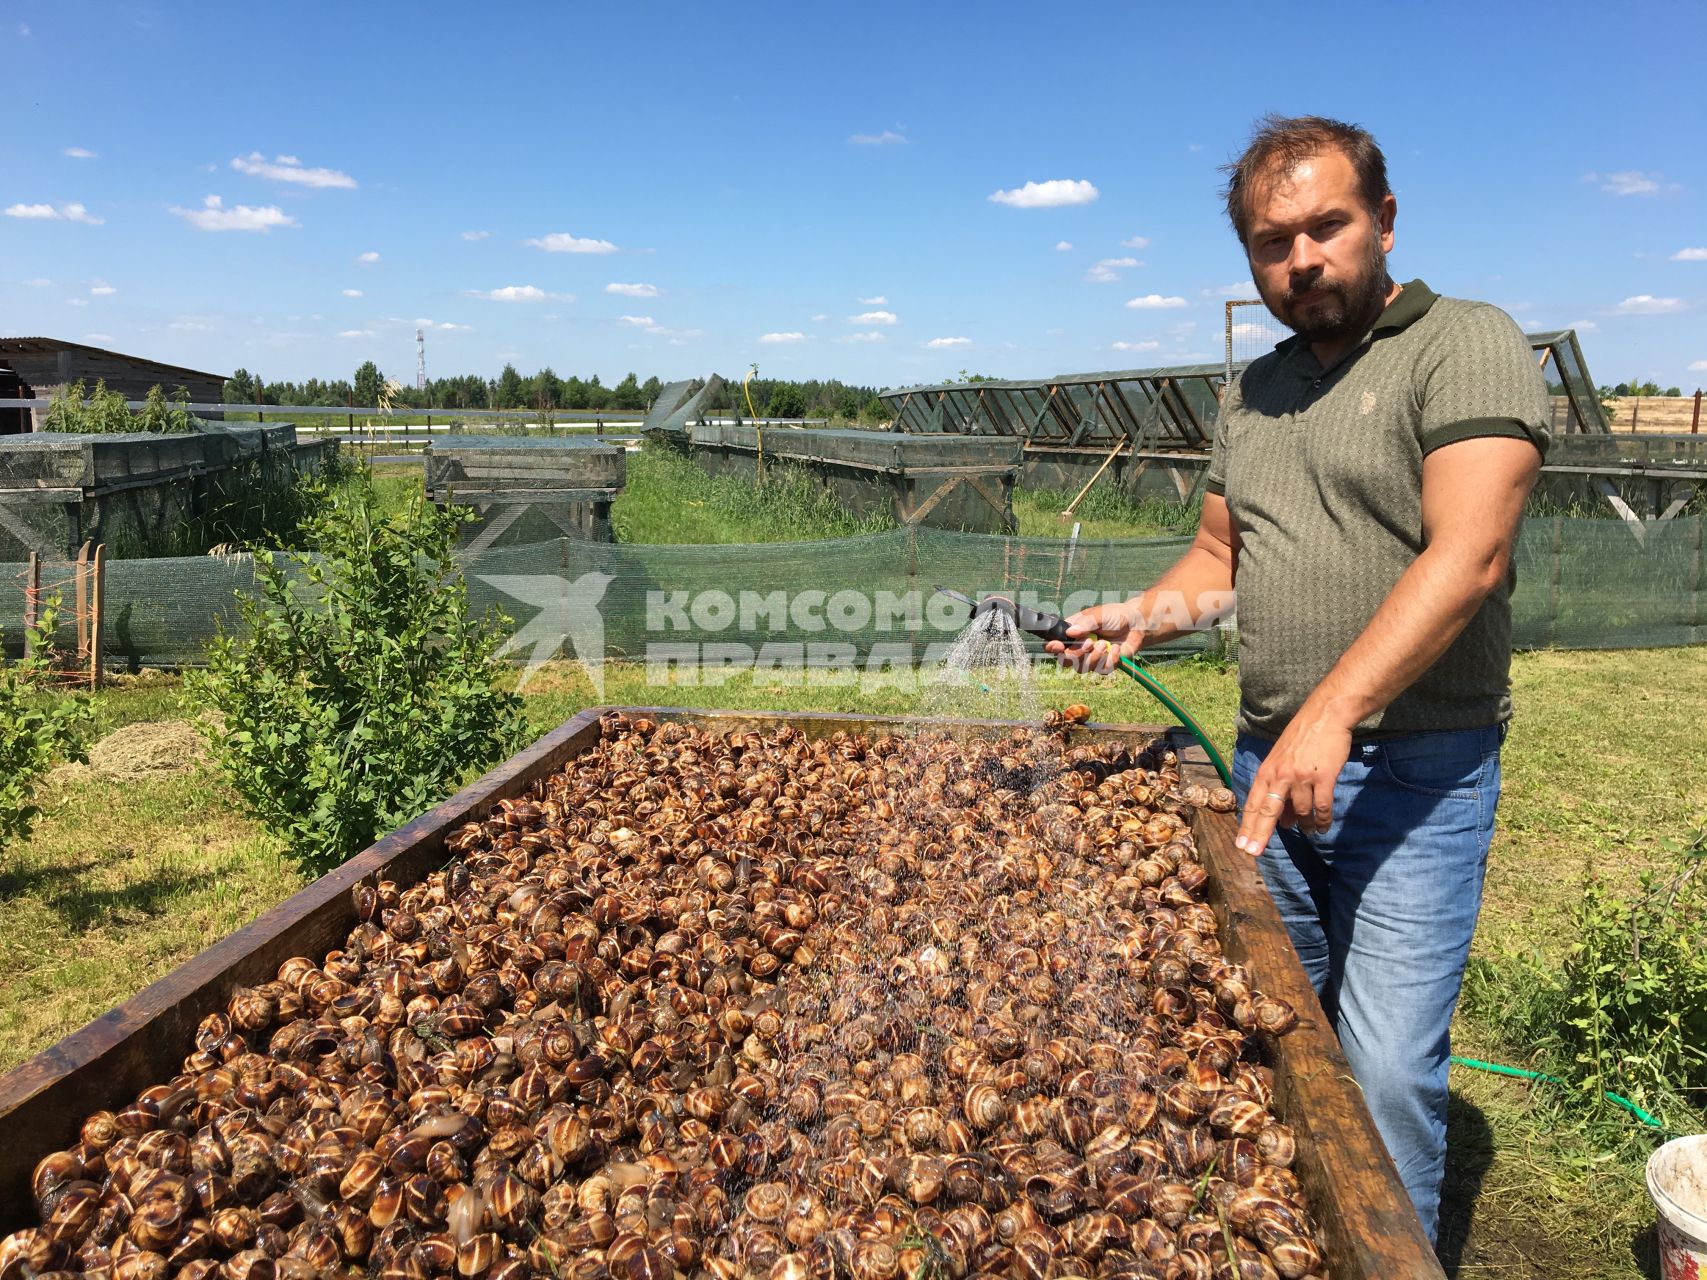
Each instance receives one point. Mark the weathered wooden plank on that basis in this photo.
(1369, 1227)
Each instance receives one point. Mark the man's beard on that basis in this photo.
(1342, 308)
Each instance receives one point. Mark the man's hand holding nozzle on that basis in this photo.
(1099, 637)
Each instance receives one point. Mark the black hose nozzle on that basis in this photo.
(1045, 626)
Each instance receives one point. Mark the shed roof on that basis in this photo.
(46, 346)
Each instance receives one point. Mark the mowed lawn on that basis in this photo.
(127, 876)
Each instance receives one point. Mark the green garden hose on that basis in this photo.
(1160, 692)
(1524, 1073)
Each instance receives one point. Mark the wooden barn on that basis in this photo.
(32, 368)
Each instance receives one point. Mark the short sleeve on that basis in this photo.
(1481, 378)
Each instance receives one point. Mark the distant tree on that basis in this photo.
(786, 400)
(847, 403)
(547, 389)
(367, 384)
(649, 391)
(239, 388)
(597, 396)
(1673, 391)
(972, 377)
(626, 394)
(509, 391)
(574, 393)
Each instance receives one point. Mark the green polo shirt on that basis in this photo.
(1322, 473)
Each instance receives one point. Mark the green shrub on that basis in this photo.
(104, 412)
(1626, 1012)
(1634, 987)
(362, 691)
(38, 729)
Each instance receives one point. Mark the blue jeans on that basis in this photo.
(1381, 907)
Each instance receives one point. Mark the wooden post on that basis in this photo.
(97, 614)
(32, 603)
(1695, 418)
(80, 605)
(1635, 408)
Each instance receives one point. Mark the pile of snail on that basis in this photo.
(704, 1006)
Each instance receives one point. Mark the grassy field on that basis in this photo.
(125, 879)
(671, 499)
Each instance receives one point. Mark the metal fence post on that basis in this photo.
(97, 614)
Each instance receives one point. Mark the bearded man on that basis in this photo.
(1364, 494)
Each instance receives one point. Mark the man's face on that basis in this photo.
(1317, 254)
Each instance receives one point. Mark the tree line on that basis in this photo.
(545, 391)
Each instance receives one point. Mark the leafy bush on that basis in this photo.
(104, 412)
(1634, 986)
(38, 729)
(1626, 1012)
(362, 690)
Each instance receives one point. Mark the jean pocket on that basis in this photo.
(1445, 765)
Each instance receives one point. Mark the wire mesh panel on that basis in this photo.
(1252, 331)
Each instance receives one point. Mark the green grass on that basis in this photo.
(122, 882)
(1105, 512)
(670, 499)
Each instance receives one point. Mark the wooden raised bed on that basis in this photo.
(1370, 1231)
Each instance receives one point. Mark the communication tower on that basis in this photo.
(420, 361)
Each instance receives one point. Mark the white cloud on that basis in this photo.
(1135, 346)
(775, 338)
(72, 212)
(1698, 366)
(633, 290)
(874, 317)
(79, 153)
(819, 318)
(1135, 242)
(214, 216)
(563, 242)
(355, 333)
(1108, 270)
(887, 138)
(290, 169)
(936, 344)
(40, 282)
(77, 302)
(1645, 304)
(1047, 195)
(99, 337)
(1690, 255)
(1155, 302)
(370, 256)
(101, 289)
(519, 293)
(1244, 330)
(1632, 182)
(1063, 246)
(444, 326)
(1244, 289)
(878, 301)
(352, 293)
(475, 235)
(639, 322)
(870, 335)
(192, 324)
(1583, 326)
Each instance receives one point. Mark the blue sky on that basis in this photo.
(680, 188)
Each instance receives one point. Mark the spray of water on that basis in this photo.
(986, 675)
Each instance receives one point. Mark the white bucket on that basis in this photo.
(1677, 1181)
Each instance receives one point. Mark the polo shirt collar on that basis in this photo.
(1414, 300)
